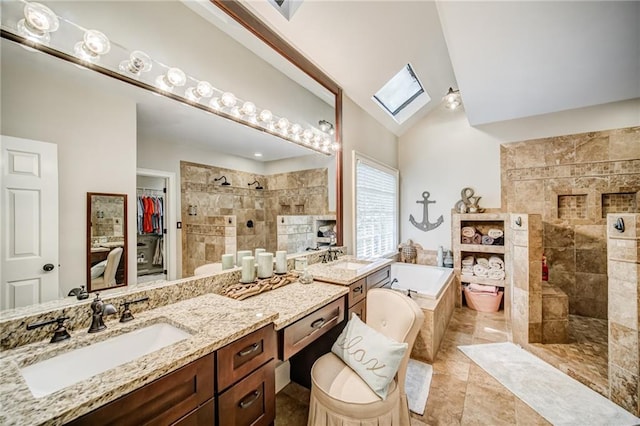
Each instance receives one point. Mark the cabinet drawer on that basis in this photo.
(205, 415)
(359, 309)
(251, 401)
(357, 291)
(161, 402)
(241, 357)
(379, 278)
(304, 331)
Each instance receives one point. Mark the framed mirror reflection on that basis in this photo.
(106, 241)
(60, 100)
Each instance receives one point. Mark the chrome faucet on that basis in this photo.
(98, 310)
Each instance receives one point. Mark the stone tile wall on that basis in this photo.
(573, 181)
(623, 253)
(524, 274)
(204, 239)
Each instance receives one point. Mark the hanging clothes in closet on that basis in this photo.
(150, 214)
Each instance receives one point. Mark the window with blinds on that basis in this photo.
(376, 208)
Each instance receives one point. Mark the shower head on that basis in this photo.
(255, 182)
(225, 183)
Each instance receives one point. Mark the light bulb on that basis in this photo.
(138, 62)
(283, 124)
(38, 22)
(174, 77)
(265, 116)
(228, 99)
(335, 146)
(296, 129)
(307, 134)
(326, 142)
(249, 108)
(203, 89)
(94, 44)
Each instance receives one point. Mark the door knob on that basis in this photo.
(48, 267)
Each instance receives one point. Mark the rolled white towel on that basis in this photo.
(496, 263)
(468, 260)
(468, 231)
(480, 271)
(495, 233)
(483, 288)
(496, 274)
(483, 261)
(467, 270)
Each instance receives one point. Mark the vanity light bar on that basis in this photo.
(39, 21)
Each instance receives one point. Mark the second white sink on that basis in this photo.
(58, 372)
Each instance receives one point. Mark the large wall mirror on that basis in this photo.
(113, 137)
(106, 241)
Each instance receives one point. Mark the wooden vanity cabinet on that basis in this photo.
(306, 330)
(358, 291)
(233, 386)
(171, 399)
(246, 388)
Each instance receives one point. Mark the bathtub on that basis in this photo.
(433, 289)
(426, 281)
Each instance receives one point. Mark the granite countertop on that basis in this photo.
(296, 300)
(213, 320)
(341, 271)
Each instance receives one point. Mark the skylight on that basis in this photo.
(399, 92)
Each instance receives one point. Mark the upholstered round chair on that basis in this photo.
(339, 397)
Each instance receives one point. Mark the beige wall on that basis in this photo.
(96, 137)
(363, 134)
(443, 154)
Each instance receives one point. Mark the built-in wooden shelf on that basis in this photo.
(472, 279)
(480, 248)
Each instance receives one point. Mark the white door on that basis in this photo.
(29, 222)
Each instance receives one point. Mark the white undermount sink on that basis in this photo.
(60, 371)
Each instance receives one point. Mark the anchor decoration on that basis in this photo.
(425, 225)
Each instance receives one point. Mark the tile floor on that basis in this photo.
(461, 392)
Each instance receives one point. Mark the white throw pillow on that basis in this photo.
(372, 355)
(98, 269)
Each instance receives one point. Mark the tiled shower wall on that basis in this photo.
(573, 181)
(298, 192)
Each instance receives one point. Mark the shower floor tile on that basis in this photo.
(585, 357)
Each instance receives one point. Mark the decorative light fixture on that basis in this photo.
(255, 182)
(94, 45)
(326, 127)
(225, 183)
(203, 89)
(38, 22)
(174, 77)
(138, 63)
(452, 99)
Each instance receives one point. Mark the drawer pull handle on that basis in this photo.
(317, 323)
(357, 289)
(249, 349)
(250, 399)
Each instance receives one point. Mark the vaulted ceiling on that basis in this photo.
(509, 59)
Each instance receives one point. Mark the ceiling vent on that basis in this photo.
(286, 7)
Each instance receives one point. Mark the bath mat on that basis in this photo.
(417, 385)
(557, 397)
